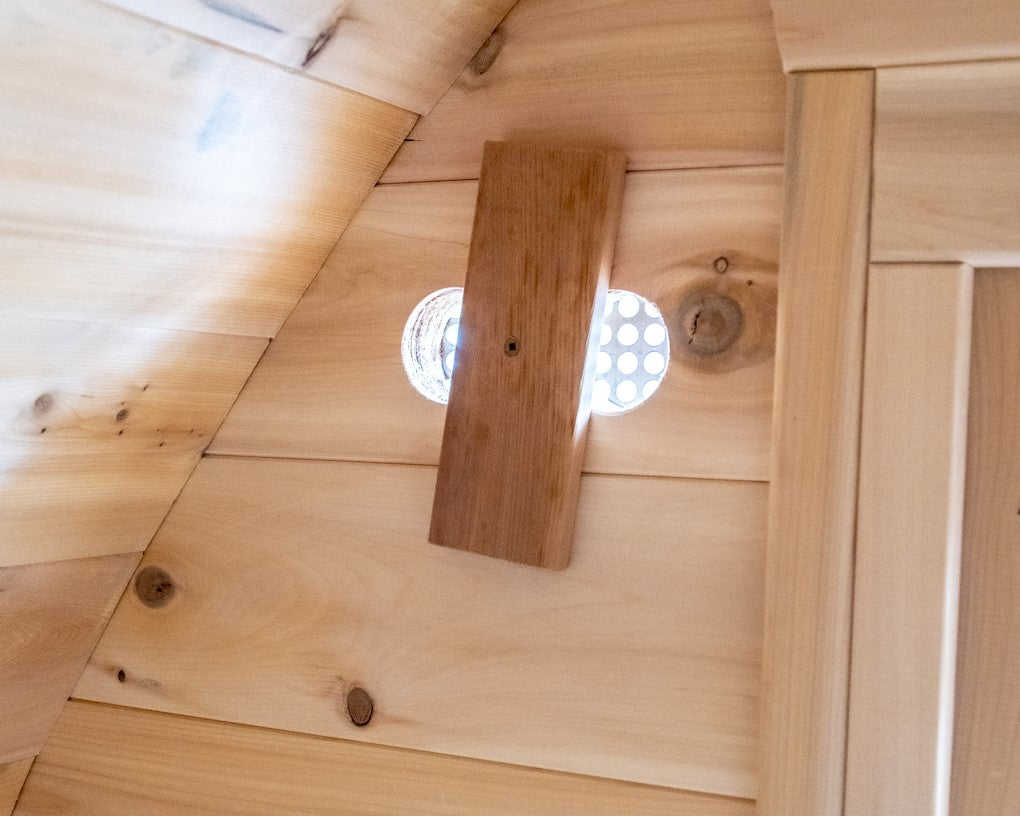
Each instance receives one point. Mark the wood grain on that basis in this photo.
(517, 422)
(691, 84)
(12, 777)
(298, 580)
(112, 761)
(99, 429)
(819, 34)
(986, 752)
(909, 525)
(152, 179)
(405, 52)
(813, 496)
(51, 616)
(339, 353)
(947, 164)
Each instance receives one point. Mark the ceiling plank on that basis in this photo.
(339, 353)
(57, 612)
(100, 427)
(404, 52)
(691, 84)
(12, 778)
(107, 761)
(297, 581)
(153, 179)
(819, 34)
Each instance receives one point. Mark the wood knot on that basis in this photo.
(154, 587)
(122, 414)
(359, 706)
(486, 55)
(710, 324)
(43, 403)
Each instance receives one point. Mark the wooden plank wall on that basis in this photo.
(166, 200)
(942, 194)
(986, 753)
(294, 580)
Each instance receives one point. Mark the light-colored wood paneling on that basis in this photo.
(99, 428)
(813, 498)
(819, 34)
(405, 52)
(106, 761)
(339, 354)
(153, 179)
(909, 523)
(12, 777)
(51, 616)
(986, 752)
(947, 164)
(296, 581)
(690, 84)
(517, 424)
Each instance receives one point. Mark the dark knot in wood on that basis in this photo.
(359, 706)
(154, 587)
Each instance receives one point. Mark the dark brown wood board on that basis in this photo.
(542, 246)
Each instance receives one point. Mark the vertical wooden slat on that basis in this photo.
(516, 426)
(812, 506)
(909, 522)
(986, 753)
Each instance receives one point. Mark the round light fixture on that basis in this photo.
(631, 362)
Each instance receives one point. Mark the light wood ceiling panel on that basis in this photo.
(108, 761)
(56, 612)
(673, 84)
(295, 581)
(405, 52)
(12, 777)
(818, 34)
(100, 427)
(332, 384)
(153, 179)
(947, 164)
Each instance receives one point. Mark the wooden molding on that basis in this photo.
(813, 496)
(909, 522)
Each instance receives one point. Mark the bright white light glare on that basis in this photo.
(626, 391)
(627, 334)
(629, 305)
(429, 343)
(627, 362)
(634, 354)
(630, 364)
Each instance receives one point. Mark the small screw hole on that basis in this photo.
(121, 677)
(512, 347)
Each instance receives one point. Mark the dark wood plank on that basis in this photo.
(516, 426)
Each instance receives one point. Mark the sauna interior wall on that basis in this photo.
(296, 554)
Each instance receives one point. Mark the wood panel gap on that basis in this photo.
(394, 463)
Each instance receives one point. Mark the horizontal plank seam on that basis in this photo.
(641, 171)
(268, 457)
(886, 65)
(403, 750)
(247, 55)
(70, 560)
